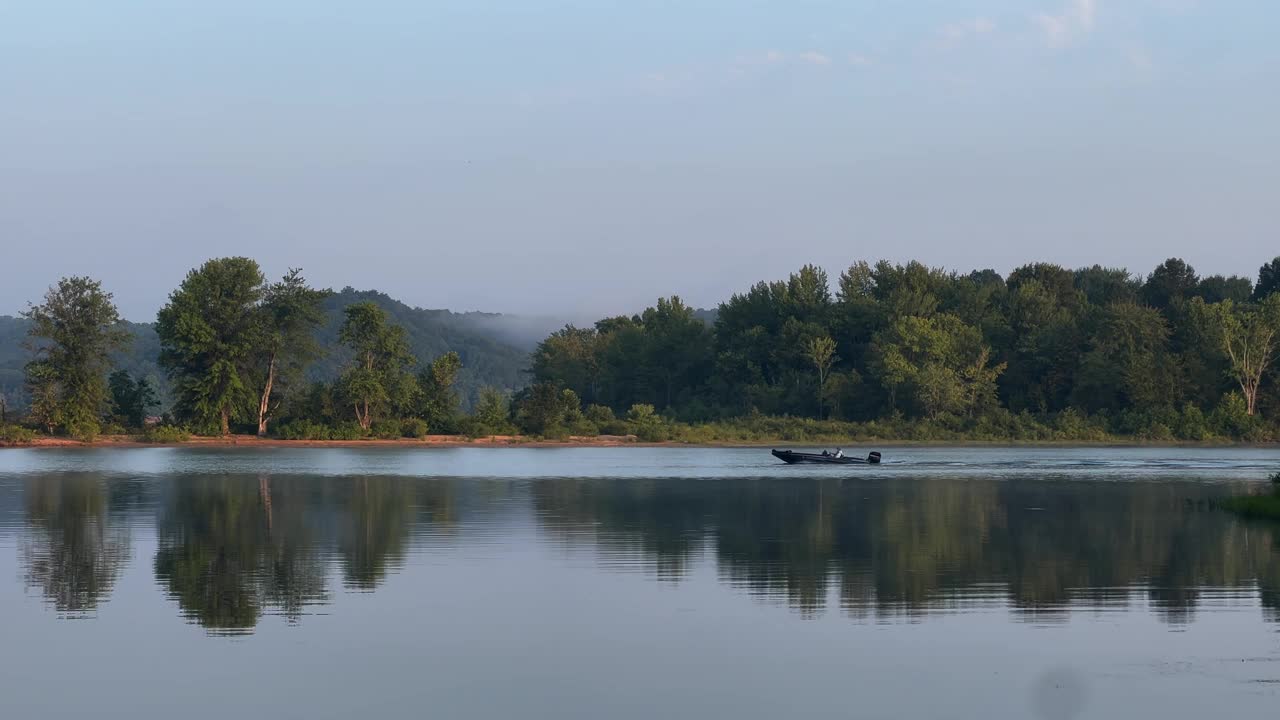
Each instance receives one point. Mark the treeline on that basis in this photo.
(910, 351)
(892, 351)
(237, 351)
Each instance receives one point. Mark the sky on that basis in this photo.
(584, 158)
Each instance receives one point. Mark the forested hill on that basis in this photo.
(486, 342)
(493, 347)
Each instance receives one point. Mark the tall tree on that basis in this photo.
(438, 401)
(378, 378)
(1170, 283)
(940, 361)
(74, 332)
(822, 353)
(1268, 279)
(288, 317)
(1247, 335)
(209, 332)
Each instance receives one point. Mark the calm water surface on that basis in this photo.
(634, 583)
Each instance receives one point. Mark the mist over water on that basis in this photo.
(636, 582)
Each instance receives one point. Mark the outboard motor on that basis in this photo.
(874, 457)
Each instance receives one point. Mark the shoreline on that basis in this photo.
(519, 441)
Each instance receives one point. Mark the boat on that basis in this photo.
(791, 457)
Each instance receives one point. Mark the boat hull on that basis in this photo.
(793, 458)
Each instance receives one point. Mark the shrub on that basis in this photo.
(1192, 424)
(1231, 417)
(16, 435)
(165, 434)
(601, 415)
(615, 427)
(84, 430)
(113, 428)
(641, 413)
(387, 429)
(347, 430)
(415, 428)
(555, 432)
(302, 430)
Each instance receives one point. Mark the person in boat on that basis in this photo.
(839, 453)
(825, 453)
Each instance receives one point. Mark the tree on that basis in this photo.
(131, 399)
(1268, 280)
(571, 356)
(43, 387)
(437, 400)
(493, 412)
(1128, 364)
(822, 352)
(940, 361)
(677, 348)
(288, 317)
(1169, 284)
(1217, 288)
(1247, 335)
(378, 378)
(545, 407)
(74, 330)
(209, 334)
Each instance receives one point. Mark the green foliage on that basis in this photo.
(1247, 335)
(601, 415)
(547, 410)
(437, 401)
(286, 322)
(1256, 506)
(492, 414)
(1231, 418)
(646, 424)
(209, 334)
(74, 331)
(131, 400)
(304, 429)
(16, 435)
(165, 435)
(1047, 353)
(902, 351)
(377, 383)
(415, 428)
(387, 429)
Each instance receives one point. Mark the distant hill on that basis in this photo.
(494, 348)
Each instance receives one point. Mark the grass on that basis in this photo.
(1255, 507)
(1261, 506)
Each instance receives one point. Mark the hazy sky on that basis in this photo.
(575, 156)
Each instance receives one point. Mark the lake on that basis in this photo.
(635, 583)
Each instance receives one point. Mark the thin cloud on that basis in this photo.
(957, 31)
(814, 57)
(1062, 29)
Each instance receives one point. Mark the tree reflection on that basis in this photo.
(374, 529)
(73, 551)
(231, 548)
(910, 546)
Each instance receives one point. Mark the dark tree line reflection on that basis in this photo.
(908, 546)
(230, 549)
